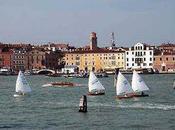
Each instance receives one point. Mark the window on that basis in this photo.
(127, 59)
(132, 64)
(154, 59)
(167, 58)
(132, 53)
(144, 53)
(77, 63)
(113, 62)
(150, 59)
(144, 59)
(127, 53)
(160, 59)
(77, 58)
(173, 58)
(150, 52)
(132, 59)
(127, 64)
(150, 64)
(113, 57)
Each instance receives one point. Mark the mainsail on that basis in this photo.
(94, 84)
(138, 84)
(123, 86)
(22, 85)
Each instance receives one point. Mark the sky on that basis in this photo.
(71, 21)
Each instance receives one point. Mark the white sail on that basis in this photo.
(22, 84)
(94, 84)
(138, 84)
(123, 86)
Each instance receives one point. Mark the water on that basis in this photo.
(57, 108)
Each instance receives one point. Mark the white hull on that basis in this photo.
(17, 95)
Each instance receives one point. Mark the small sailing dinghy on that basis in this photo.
(83, 104)
(94, 85)
(138, 85)
(22, 86)
(123, 87)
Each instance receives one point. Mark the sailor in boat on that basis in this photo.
(83, 104)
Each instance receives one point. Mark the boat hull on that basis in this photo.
(145, 95)
(124, 97)
(95, 94)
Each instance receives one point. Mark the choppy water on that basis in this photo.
(57, 108)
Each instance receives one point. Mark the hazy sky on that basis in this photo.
(149, 21)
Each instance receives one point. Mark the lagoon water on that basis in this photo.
(57, 108)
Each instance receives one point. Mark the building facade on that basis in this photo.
(96, 60)
(139, 56)
(19, 60)
(6, 56)
(36, 59)
(164, 62)
(164, 58)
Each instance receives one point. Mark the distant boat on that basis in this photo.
(94, 85)
(83, 104)
(60, 84)
(123, 87)
(139, 86)
(22, 86)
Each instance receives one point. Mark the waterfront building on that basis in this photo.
(164, 58)
(139, 56)
(53, 60)
(96, 60)
(93, 58)
(36, 59)
(64, 47)
(169, 47)
(6, 56)
(19, 59)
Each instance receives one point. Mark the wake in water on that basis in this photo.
(147, 106)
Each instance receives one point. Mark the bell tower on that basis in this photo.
(93, 41)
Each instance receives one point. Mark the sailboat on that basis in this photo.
(123, 87)
(94, 85)
(138, 85)
(22, 86)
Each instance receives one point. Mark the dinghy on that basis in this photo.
(83, 104)
(22, 86)
(123, 87)
(94, 85)
(138, 85)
